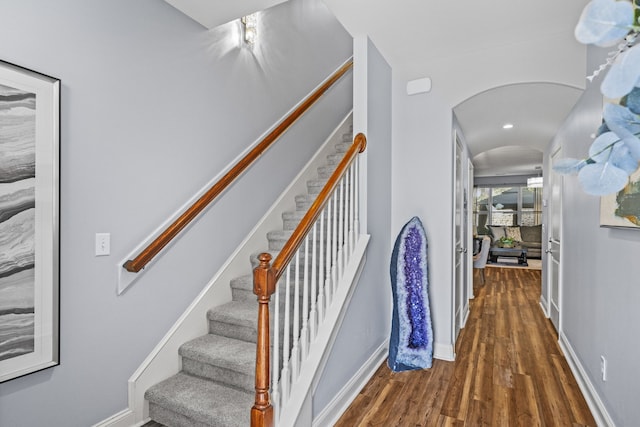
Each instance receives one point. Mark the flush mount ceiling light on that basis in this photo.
(534, 182)
(507, 126)
(250, 28)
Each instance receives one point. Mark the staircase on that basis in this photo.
(216, 384)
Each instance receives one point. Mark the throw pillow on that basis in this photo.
(497, 231)
(513, 233)
(531, 233)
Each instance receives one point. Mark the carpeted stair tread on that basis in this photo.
(315, 186)
(343, 147)
(242, 313)
(203, 402)
(228, 353)
(291, 219)
(221, 359)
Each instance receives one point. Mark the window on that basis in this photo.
(506, 206)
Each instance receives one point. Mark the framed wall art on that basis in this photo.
(622, 209)
(29, 221)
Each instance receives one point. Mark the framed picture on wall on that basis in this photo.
(29, 221)
(622, 209)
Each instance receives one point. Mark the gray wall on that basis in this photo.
(153, 107)
(600, 292)
(367, 322)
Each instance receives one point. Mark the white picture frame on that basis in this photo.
(29, 221)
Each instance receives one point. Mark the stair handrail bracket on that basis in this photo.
(338, 197)
(147, 254)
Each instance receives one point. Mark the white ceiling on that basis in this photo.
(439, 29)
(536, 111)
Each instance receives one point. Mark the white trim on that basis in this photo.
(543, 306)
(598, 409)
(444, 352)
(339, 404)
(124, 418)
(465, 317)
(360, 117)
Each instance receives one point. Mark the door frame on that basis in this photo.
(554, 211)
(470, 171)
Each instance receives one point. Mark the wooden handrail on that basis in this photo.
(266, 275)
(148, 253)
(297, 238)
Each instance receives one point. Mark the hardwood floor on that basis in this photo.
(509, 370)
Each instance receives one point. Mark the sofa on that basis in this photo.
(527, 236)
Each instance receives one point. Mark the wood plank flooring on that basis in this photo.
(509, 370)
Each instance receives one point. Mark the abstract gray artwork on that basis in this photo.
(17, 221)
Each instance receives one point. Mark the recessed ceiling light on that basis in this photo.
(507, 126)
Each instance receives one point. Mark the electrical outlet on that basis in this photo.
(103, 244)
(603, 368)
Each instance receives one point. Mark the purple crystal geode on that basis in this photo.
(411, 343)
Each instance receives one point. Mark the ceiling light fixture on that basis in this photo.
(250, 28)
(534, 182)
(507, 126)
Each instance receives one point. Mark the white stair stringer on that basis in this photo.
(164, 361)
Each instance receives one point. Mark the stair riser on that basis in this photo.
(170, 418)
(238, 332)
(303, 203)
(291, 224)
(276, 244)
(224, 376)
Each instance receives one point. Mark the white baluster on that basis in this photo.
(356, 222)
(313, 315)
(321, 269)
(295, 351)
(340, 242)
(352, 197)
(334, 246)
(286, 377)
(304, 334)
(329, 257)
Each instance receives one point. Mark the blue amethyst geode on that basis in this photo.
(411, 343)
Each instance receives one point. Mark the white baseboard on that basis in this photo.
(466, 315)
(543, 306)
(444, 352)
(598, 410)
(334, 410)
(125, 418)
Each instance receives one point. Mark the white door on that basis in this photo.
(460, 247)
(553, 248)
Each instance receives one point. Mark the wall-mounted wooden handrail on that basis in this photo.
(148, 253)
(266, 275)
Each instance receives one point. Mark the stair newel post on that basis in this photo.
(264, 285)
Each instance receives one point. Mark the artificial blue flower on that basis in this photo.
(568, 165)
(609, 148)
(626, 125)
(604, 22)
(600, 179)
(633, 99)
(623, 75)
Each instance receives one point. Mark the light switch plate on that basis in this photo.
(103, 244)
